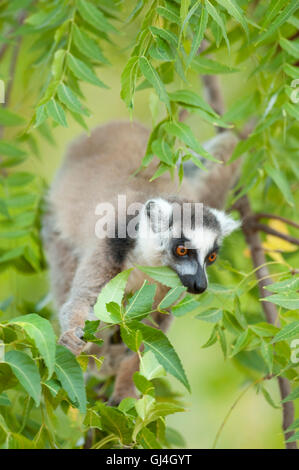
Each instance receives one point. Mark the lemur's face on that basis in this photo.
(184, 237)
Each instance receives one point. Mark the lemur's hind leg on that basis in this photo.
(62, 262)
(124, 385)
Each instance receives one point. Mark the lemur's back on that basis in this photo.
(98, 168)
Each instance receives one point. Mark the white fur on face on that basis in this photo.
(227, 223)
(154, 239)
(203, 240)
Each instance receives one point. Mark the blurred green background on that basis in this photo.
(216, 383)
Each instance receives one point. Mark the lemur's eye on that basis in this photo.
(212, 257)
(181, 250)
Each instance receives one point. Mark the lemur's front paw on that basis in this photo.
(71, 339)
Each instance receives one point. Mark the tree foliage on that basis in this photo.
(66, 42)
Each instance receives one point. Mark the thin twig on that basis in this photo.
(265, 228)
(262, 215)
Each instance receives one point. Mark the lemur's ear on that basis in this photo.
(159, 212)
(227, 223)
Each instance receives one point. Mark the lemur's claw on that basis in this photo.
(71, 339)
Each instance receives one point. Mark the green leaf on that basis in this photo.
(192, 99)
(162, 168)
(184, 133)
(217, 18)
(267, 354)
(114, 421)
(165, 34)
(294, 438)
(42, 334)
(82, 71)
(294, 425)
(113, 291)
(10, 150)
(292, 396)
(212, 339)
(87, 46)
(264, 329)
(289, 300)
(143, 385)
(241, 342)
(291, 284)
(184, 7)
(290, 70)
(4, 400)
(56, 112)
(148, 410)
(27, 373)
(70, 375)
(172, 296)
(132, 338)
(152, 76)
(168, 13)
(148, 439)
(8, 118)
(200, 30)
(162, 274)
(206, 66)
(92, 420)
(114, 310)
(268, 398)
(144, 405)
(279, 20)
(215, 121)
(90, 328)
(236, 12)
(163, 151)
(291, 47)
(281, 182)
(70, 100)
(292, 110)
(187, 304)
(140, 305)
(239, 314)
(57, 65)
(212, 315)
(150, 368)
(156, 341)
(128, 81)
(53, 386)
(94, 17)
(222, 340)
(287, 332)
(41, 115)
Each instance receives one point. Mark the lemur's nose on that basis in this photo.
(200, 286)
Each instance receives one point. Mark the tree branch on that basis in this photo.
(263, 276)
(265, 228)
(263, 215)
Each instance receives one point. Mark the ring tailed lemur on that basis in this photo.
(97, 169)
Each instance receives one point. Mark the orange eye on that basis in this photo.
(181, 250)
(212, 257)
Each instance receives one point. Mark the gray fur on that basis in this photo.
(95, 170)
